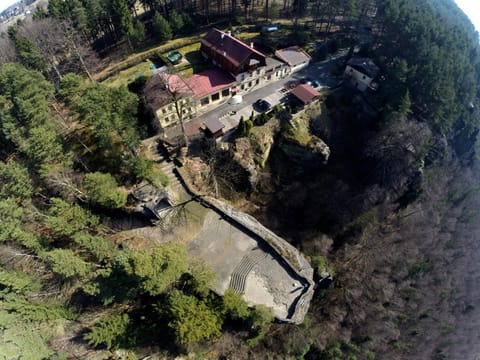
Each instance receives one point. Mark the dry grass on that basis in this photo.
(124, 77)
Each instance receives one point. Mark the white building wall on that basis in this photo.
(167, 115)
(358, 79)
(299, 67)
(246, 81)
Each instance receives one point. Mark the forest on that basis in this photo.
(394, 213)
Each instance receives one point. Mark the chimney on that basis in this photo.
(251, 44)
(229, 33)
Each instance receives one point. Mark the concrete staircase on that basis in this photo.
(151, 152)
(241, 271)
(167, 168)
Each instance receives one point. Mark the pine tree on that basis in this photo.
(161, 28)
(110, 332)
(241, 127)
(192, 320)
(161, 267)
(405, 105)
(102, 189)
(176, 22)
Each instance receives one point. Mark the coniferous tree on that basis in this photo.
(161, 28)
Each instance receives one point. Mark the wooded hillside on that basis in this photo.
(394, 213)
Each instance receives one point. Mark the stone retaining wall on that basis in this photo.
(292, 257)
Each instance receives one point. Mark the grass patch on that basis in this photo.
(194, 63)
(147, 53)
(297, 131)
(124, 77)
(247, 36)
(184, 50)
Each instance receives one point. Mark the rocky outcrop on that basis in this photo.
(252, 152)
(301, 146)
(313, 154)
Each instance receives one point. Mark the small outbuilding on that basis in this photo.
(213, 128)
(305, 93)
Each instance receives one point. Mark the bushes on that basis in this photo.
(245, 127)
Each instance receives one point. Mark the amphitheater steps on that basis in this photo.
(239, 275)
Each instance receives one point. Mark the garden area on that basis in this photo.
(125, 77)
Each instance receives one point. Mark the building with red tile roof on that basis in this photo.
(209, 82)
(305, 93)
(168, 96)
(246, 64)
(229, 53)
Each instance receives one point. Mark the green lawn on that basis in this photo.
(124, 77)
(246, 37)
(195, 61)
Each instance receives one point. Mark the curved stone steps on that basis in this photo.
(243, 268)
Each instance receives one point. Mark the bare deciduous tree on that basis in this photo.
(61, 46)
(7, 50)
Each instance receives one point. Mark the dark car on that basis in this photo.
(261, 105)
(311, 82)
(306, 81)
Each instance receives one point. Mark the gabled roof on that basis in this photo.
(293, 55)
(364, 65)
(159, 89)
(226, 45)
(209, 81)
(214, 125)
(305, 93)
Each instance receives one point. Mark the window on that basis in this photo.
(363, 77)
(164, 111)
(170, 107)
(215, 96)
(250, 84)
(205, 101)
(257, 82)
(269, 77)
(258, 71)
(225, 92)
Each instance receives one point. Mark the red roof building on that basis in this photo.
(169, 95)
(230, 54)
(208, 82)
(305, 93)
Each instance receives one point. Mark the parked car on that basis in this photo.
(262, 105)
(306, 81)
